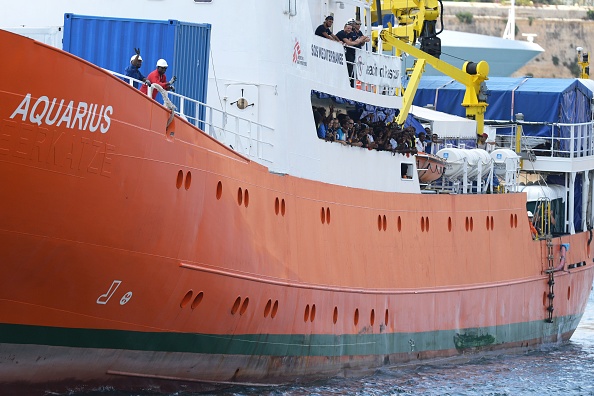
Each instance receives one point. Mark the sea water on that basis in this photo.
(566, 370)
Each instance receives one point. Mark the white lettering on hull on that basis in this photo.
(81, 116)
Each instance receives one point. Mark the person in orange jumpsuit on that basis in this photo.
(533, 230)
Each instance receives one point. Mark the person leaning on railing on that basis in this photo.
(158, 77)
(324, 29)
(346, 36)
(133, 69)
(357, 34)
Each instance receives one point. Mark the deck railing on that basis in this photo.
(561, 140)
(247, 137)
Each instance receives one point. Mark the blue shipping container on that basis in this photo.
(110, 42)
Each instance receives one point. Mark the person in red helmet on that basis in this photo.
(158, 76)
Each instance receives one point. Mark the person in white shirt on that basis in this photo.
(420, 142)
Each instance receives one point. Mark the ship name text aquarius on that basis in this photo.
(83, 116)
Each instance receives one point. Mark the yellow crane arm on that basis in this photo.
(472, 75)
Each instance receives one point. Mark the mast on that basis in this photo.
(510, 29)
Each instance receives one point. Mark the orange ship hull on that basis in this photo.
(133, 248)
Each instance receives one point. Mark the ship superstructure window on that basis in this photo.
(406, 170)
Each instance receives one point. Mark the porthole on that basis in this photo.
(427, 224)
(323, 216)
(197, 300)
(516, 221)
(356, 318)
(384, 222)
(267, 308)
(422, 224)
(568, 292)
(487, 223)
(188, 180)
(471, 224)
(492, 223)
(386, 317)
(511, 220)
(180, 179)
(379, 222)
(399, 224)
(246, 198)
(467, 223)
(235, 306)
(244, 306)
(239, 196)
(306, 313)
(186, 299)
(276, 206)
(274, 309)
(312, 314)
(328, 215)
(283, 207)
(335, 315)
(372, 317)
(449, 224)
(219, 190)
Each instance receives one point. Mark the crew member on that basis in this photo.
(158, 76)
(133, 69)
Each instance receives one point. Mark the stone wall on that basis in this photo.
(559, 30)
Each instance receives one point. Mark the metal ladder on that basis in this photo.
(551, 281)
(543, 214)
(542, 217)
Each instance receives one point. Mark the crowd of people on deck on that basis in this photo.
(370, 133)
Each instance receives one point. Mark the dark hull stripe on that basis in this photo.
(290, 345)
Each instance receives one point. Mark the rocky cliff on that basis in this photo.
(558, 29)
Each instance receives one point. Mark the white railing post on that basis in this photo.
(553, 140)
(259, 145)
(589, 131)
(572, 142)
(181, 105)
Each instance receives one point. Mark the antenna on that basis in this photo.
(510, 29)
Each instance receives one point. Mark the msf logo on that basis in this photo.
(297, 55)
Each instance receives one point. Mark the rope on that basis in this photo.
(168, 103)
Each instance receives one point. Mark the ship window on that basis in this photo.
(197, 300)
(267, 308)
(406, 171)
(274, 309)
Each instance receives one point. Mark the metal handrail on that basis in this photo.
(578, 143)
(249, 138)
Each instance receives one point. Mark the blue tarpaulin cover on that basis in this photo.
(540, 100)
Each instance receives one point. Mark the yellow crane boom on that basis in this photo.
(416, 20)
